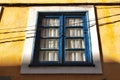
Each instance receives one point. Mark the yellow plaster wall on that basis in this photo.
(12, 35)
(13, 27)
(59, 1)
(109, 26)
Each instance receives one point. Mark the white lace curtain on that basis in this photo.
(54, 43)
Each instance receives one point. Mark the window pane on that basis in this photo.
(50, 32)
(48, 56)
(74, 22)
(75, 43)
(49, 43)
(74, 32)
(75, 56)
(50, 22)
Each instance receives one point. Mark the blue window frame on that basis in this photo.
(62, 39)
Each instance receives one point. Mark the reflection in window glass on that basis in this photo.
(50, 32)
(74, 32)
(49, 43)
(74, 22)
(48, 56)
(75, 43)
(75, 56)
(51, 22)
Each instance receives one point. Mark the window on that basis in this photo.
(61, 39)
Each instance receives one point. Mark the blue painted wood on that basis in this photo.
(75, 49)
(49, 27)
(49, 37)
(74, 37)
(87, 39)
(80, 16)
(48, 49)
(52, 16)
(62, 40)
(74, 27)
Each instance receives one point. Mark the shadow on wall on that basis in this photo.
(111, 71)
(5, 78)
(1, 12)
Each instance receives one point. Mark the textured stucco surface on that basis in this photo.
(59, 1)
(12, 34)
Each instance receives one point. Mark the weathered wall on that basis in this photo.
(12, 34)
(58, 1)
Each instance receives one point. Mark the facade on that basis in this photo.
(68, 39)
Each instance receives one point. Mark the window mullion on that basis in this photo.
(61, 41)
(64, 38)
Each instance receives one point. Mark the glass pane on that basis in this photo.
(48, 56)
(75, 43)
(51, 22)
(75, 56)
(49, 43)
(74, 32)
(50, 32)
(74, 22)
